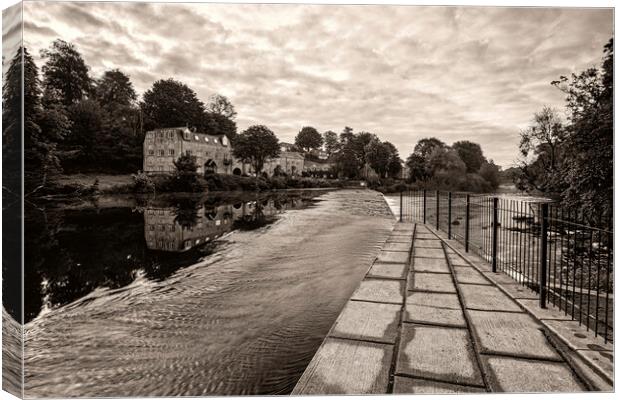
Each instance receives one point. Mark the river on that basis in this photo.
(186, 297)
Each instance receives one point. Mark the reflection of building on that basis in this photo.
(164, 228)
(163, 231)
(164, 146)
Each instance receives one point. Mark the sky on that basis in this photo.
(402, 72)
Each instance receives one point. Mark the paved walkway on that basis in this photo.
(424, 320)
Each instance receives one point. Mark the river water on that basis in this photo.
(186, 297)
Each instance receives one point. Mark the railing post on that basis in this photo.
(494, 238)
(544, 228)
(424, 212)
(467, 224)
(437, 209)
(449, 215)
(401, 207)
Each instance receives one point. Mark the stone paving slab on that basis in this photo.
(514, 375)
(425, 235)
(500, 277)
(533, 306)
(393, 256)
(518, 291)
(399, 246)
(434, 308)
(429, 253)
(458, 261)
(470, 275)
(437, 353)
(483, 297)
(388, 270)
(603, 359)
(399, 239)
(347, 367)
(403, 229)
(406, 385)
(428, 282)
(384, 291)
(515, 334)
(579, 338)
(439, 265)
(368, 321)
(427, 243)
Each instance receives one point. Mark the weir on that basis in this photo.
(428, 318)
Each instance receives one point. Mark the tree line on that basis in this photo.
(461, 166)
(74, 122)
(570, 158)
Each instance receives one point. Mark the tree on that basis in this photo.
(330, 141)
(40, 159)
(255, 146)
(65, 72)
(542, 154)
(170, 103)
(378, 157)
(308, 139)
(346, 135)
(395, 165)
(219, 104)
(217, 124)
(425, 147)
(115, 91)
(185, 178)
(416, 164)
(490, 173)
(587, 143)
(471, 154)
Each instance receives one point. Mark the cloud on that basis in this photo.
(403, 72)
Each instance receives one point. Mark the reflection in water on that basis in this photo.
(112, 316)
(190, 224)
(73, 252)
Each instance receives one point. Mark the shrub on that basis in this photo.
(142, 183)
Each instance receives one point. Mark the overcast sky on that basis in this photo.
(404, 73)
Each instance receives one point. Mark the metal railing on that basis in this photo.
(555, 252)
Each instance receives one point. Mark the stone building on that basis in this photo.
(213, 154)
(164, 146)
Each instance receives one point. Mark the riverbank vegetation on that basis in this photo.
(459, 167)
(571, 159)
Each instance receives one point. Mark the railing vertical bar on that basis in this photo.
(598, 274)
(542, 268)
(494, 238)
(609, 255)
(467, 206)
(589, 283)
(449, 215)
(437, 209)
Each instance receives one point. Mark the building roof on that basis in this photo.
(189, 136)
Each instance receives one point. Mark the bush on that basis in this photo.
(142, 183)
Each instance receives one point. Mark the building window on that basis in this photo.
(151, 152)
(160, 168)
(206, 139)
(171, 152)
(161, 153)
(196, 137)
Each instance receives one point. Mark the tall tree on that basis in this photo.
(114, 90)
(255, 146)
(40, 159)
(308, 139)
(470, 153)
(346, 135)
(588, 141)
(378, 156)
(416, 164)
(219, 104)
(65, 72)
(330, 141)
(170, 103)
(542, 154)
(426, 146)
